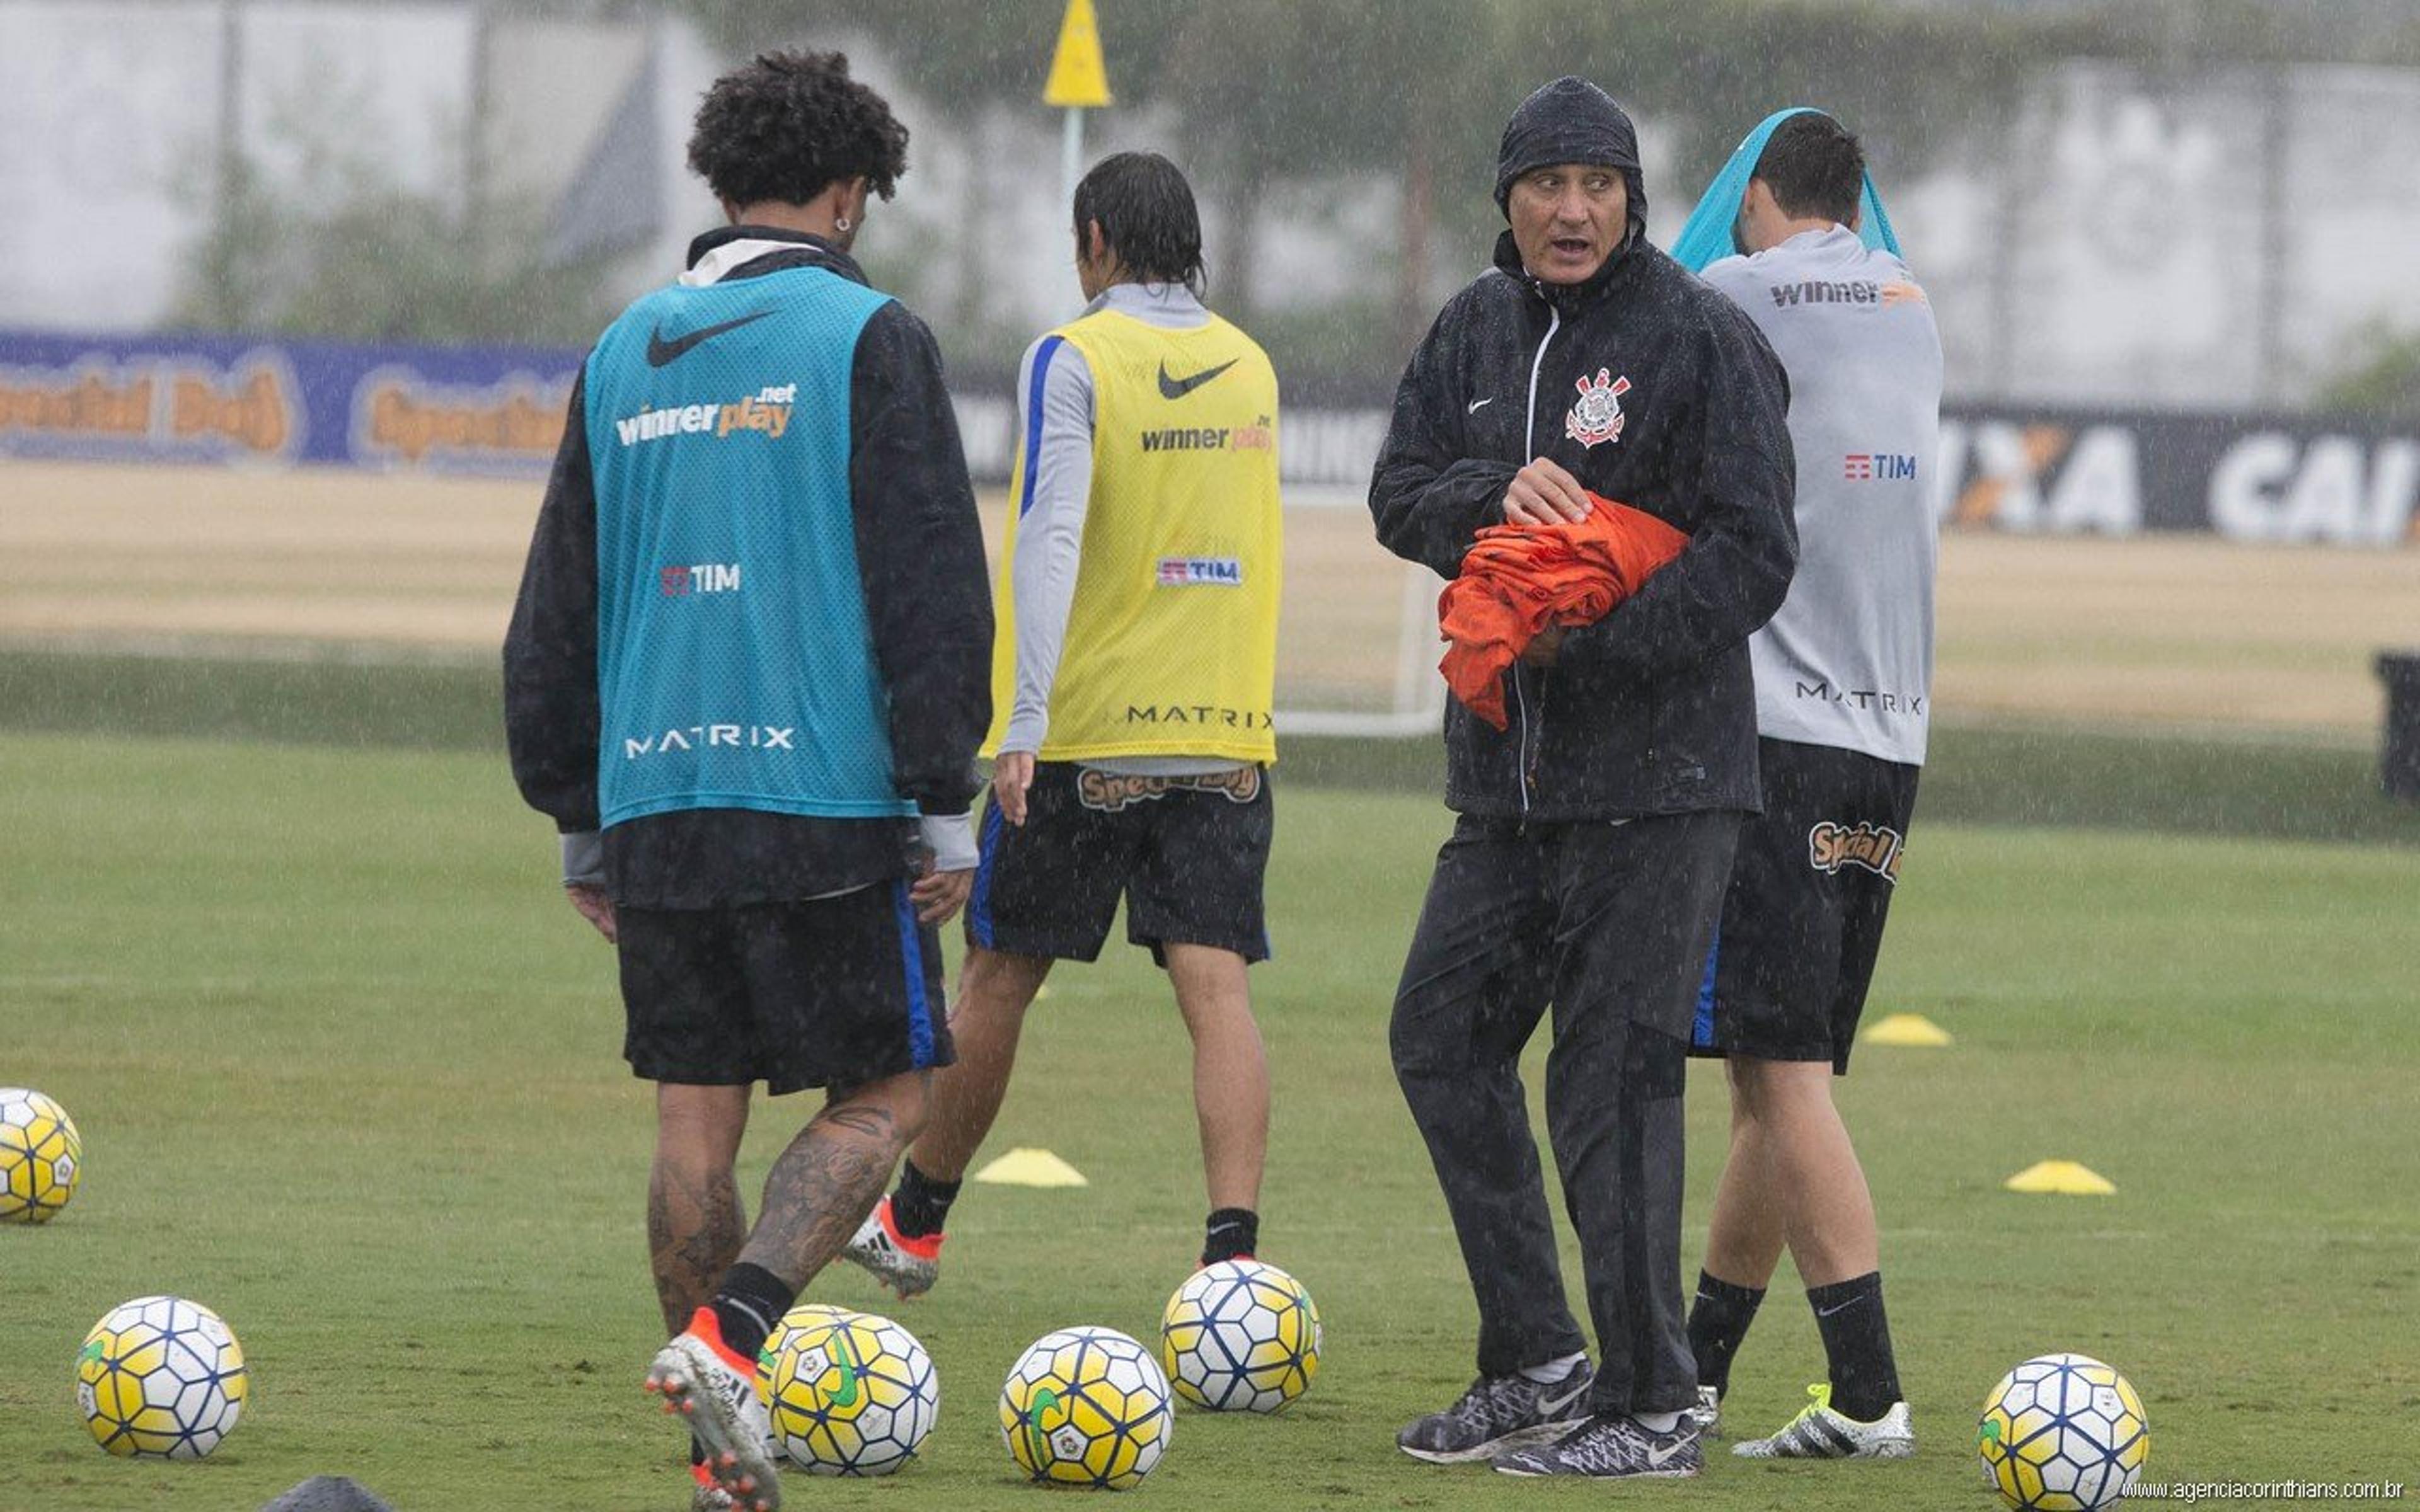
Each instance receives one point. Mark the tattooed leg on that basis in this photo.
(696, 1219)
(828, 1180)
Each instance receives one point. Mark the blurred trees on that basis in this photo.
(2382, 381)
(1280, 108)
(1278, 94)
(338, 248)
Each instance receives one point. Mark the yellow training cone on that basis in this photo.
(1906, 1029)
(2064, 1177)
(1031, 1167)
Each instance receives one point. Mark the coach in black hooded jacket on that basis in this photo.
(1588, 866)
(1651, 710)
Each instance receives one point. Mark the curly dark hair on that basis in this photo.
(789, 126)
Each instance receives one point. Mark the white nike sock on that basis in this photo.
(1552, 1370)
(1658, 1422)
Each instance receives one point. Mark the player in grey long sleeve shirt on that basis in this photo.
(1847, 661)
(1051, 538)
(1843, 690)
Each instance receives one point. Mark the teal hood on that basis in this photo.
(1707, 237)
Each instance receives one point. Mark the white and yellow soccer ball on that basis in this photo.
(40, 1156)
(2063, 1433)
(846, 1393)
(1086, 1407)
(1240, 1337)
(160, 1377)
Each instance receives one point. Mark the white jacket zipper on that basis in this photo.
(1529, 454)
(1529, 421)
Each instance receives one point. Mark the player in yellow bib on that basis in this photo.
(1133, 672)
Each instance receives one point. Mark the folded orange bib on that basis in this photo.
(1517, 580)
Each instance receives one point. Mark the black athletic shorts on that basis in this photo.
(837, 993)
(1810, 887)
(1187, 854)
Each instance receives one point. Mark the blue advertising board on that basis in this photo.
(2024, 468)
(235, 399)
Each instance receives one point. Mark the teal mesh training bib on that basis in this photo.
(735, 666)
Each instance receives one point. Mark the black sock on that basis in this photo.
(1231, 1234)
(1856, 1339)
(696, 1452)
(748, 1304)
(1719, 1322)
(922, 1205)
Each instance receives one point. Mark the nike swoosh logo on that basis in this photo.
(663, 353)
(1840, 1308)
(1037, 1442)
(1549, 1406)
(1658, 1458)
(1476, 403)
(847, 1394)
(1177, 387)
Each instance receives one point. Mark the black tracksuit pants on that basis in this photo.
(1610, 924)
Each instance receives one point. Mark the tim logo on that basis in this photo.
(1200, 572)
(1877, 467)
(700, 578)
(1598, 416)
(1876, 848)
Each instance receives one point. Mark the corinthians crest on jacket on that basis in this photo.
(1598, 416)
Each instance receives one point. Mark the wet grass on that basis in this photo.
(347, 1070)
(2014, 774)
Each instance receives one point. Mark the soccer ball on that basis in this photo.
(40, 1156)
(1240, 1336)
(160, 1377)
(847, 1393)
(2063, 1433)
(1086, 1407)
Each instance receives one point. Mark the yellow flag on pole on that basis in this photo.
(1078, 76)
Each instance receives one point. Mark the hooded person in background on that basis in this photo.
(1843, 676)
(1595, 831)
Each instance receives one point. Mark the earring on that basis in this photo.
(839, 223)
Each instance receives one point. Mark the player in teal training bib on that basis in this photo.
(734, 665)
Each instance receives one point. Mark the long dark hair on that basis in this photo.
(1147, 215)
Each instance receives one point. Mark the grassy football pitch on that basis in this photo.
(347, 1069)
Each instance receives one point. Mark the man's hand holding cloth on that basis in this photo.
(1518, 579)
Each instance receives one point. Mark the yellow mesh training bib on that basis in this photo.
(1172, 636)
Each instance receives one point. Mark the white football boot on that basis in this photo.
(1707, 1417)
(908, 1266)
(715, 1390)
(1818, 1432)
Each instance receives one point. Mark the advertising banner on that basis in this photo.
(2248, 476)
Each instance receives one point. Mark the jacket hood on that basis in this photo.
(1571, 121)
